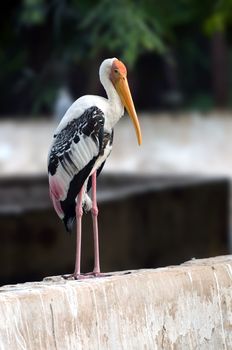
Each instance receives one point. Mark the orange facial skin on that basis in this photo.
(118, 76)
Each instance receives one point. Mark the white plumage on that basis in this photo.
(81, 144)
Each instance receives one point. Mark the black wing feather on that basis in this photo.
(106, 138)
(89, 124)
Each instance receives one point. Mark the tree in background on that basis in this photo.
(43, 45)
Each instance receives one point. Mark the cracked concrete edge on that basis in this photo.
(183, 307)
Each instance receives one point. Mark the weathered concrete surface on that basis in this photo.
(180, 307)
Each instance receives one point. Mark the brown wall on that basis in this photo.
(166, 223)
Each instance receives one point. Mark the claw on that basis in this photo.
(96, 274)
(75, 276)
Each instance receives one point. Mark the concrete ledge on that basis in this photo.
(180, 307)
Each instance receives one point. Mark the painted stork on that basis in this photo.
(81, 144)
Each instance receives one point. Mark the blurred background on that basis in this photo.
(162, 203)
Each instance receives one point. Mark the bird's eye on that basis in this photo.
(116, 71)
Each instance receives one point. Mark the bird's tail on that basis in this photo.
(69, 218)
(70, 214)
(69, 223)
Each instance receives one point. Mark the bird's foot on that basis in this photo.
(75, 276)
(96, 274)
(83, 276)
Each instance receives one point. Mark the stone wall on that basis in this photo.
(178, 307)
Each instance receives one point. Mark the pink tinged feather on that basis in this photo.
(57, 206)
(56, 194)
(56, 187)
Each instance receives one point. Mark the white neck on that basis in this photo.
(116, 108)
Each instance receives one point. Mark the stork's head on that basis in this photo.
(118, 76)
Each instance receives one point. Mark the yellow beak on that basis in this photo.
(123, 90)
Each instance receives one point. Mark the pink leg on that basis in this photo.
(79, 213)
(94, 210)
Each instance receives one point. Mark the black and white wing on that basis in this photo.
(72, 157)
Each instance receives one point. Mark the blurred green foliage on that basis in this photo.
(126, 27)
(40, 41)
(219, 17)
(33, 12)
